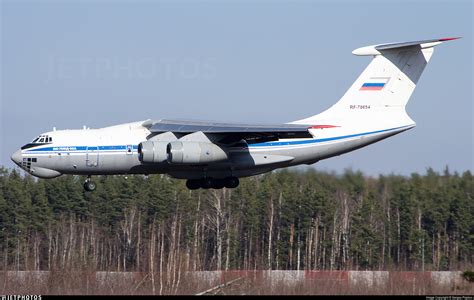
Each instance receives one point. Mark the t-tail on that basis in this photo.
(377, 99)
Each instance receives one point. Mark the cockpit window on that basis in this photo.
(42, 139)
(38, 141)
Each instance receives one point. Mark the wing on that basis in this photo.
(231, 132)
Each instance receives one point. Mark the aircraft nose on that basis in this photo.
(16, 157)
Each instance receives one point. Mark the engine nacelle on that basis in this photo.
(152, 151)
(186, 152)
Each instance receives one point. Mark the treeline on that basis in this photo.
(281, 220)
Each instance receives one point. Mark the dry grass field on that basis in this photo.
(236, 283)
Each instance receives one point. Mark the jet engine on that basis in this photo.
(187, 152)
(152, 151)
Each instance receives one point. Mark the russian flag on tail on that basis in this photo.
(374, 84)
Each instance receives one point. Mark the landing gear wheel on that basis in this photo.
(193, 184)
(218, 184)
(89, 185)
(231, 182)
(206, 183)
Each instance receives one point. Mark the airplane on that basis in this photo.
(215, 155)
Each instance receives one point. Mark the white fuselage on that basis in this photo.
(114, 150)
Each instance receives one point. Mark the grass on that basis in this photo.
(250, 282)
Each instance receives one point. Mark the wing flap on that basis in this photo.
(240, 130)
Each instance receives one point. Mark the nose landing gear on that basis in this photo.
(89, 185)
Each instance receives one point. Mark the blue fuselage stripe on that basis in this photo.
(83, 148)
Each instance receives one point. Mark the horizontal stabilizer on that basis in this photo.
(375, 49)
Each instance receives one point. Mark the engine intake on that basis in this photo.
(184, 152)
(152, 151)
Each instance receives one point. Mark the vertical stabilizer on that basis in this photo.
(381, 92)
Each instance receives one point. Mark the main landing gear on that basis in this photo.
(207, 183)
(89, 185)
(192, 184)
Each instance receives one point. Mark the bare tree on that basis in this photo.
(270, 234)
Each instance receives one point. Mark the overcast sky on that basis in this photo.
(98, 63)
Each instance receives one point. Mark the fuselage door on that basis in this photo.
(92, 156)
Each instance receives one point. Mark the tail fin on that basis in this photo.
(383, 89)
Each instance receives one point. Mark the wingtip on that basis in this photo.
(450, 39)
